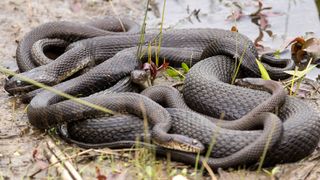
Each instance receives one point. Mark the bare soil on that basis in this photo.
(23, 149)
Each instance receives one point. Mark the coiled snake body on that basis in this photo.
(206, 91)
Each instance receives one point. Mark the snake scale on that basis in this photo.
(207, 91)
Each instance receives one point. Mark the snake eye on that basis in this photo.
(19, 82)
(194, 142)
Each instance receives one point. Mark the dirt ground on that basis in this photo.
(21, 146)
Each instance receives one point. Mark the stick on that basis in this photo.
(64, 167)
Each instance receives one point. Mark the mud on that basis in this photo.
(21, 146)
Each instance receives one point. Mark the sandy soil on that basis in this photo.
(21, 146)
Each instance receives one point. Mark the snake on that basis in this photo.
(70, 32)
(206, 84)
(85, 134)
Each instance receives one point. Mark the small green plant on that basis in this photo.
(178, 74)
(297, 77)
(174, 73)
(52, 131)
(185, 68)
(277, 53)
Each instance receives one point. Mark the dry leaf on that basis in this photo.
(312, 46)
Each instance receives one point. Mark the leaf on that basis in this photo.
(185, 67)
(163, 66)
(299, 74)
(269, 32)
(171, 72)
(312, 46)
(263, 71)
(236, 15)
(258, 39)
(263, 22)
(296, 40)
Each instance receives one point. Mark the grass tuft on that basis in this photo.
(160, 33)
(143, 31)
(238, 64)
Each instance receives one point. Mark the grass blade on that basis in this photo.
(67, 96)
(263, 71)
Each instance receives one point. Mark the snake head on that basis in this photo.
(183, 143)
(259, 84)
(250, 82)
(141, 77)
(16, 86)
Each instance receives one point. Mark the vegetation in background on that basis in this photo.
(259, 17)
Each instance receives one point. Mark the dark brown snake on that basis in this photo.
(206, 91)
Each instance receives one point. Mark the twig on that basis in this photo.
(63, 171)
(205, 164)
(65, 167)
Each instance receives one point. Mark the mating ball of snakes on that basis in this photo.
(100, 62)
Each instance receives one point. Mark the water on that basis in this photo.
(287, 18)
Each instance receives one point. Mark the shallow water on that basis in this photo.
(288, 19)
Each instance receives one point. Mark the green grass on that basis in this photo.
(297, 78)
(263, 71)
(238, 63)
(262, 158)
(160, 37)
(143, 31)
